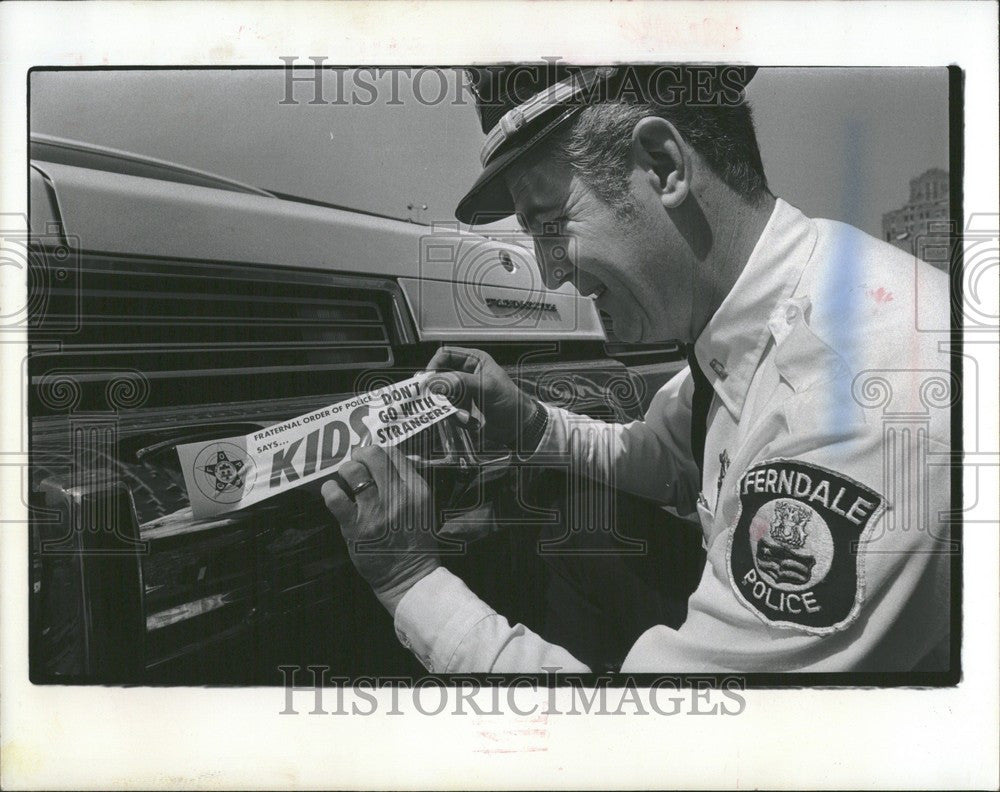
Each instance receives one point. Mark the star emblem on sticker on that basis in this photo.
(228, 473)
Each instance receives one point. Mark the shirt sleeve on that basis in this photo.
(451, 630)
(892, 581)
(650, 458)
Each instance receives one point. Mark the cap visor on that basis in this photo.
(489, 199)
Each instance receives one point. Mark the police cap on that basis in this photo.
(522, 105)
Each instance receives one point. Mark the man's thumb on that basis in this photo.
(459, 387)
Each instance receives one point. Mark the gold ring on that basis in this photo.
(362, 486)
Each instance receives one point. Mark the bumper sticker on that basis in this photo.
(236, 472)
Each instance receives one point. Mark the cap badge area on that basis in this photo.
(793, 554)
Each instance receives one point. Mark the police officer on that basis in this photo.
(824, 523)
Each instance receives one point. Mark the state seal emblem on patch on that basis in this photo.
(793, 555)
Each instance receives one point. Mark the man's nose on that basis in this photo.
(554, 263)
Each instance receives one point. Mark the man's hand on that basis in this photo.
(389, 511)
(472, 375)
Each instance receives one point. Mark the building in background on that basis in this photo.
(928, 204)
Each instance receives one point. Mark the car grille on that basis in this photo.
(132, 355)
(155, 333)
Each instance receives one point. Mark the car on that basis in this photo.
(170, 305)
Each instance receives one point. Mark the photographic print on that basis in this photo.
(522, 395)
(694, 443)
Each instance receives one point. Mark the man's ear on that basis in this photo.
(659, 150)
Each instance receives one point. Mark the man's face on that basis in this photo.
(626, 264)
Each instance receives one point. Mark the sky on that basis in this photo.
(837, 143)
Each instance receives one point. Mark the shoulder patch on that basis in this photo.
(793, 554)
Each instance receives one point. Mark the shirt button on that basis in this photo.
(791, 313)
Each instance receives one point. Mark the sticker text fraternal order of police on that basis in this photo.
(236, 472)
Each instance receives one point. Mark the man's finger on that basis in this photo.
(404, 469)
(361, 481)
(455, 359)
(378, 464)
(344, 510)
(405, 482)
(457, 386)
(448, 358)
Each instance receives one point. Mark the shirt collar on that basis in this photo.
(732, 344)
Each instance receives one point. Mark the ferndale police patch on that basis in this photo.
(793, 557)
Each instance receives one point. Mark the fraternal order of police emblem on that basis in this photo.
(793, 555)
(224, 472)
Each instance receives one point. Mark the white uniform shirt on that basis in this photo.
(825, 493)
